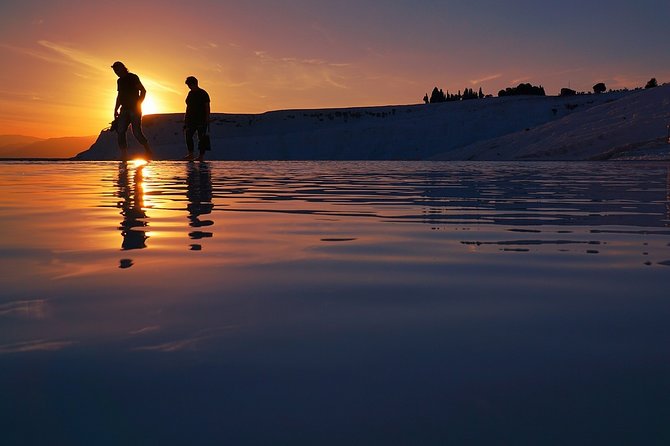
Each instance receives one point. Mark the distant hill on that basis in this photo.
(9, 143)
(29, 147)
(595, 126)
(633, 127)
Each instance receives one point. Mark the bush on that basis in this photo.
(652, 83)
(522, 89)
(437, 96)
(599, 88)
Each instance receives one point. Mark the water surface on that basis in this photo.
(334, 303)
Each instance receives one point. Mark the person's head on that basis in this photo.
(192, 82)
(119, 68)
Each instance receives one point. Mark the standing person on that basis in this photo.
(196, 118)
(130, 95)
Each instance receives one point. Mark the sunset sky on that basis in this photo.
(262, 55)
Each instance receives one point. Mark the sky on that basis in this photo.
(261, 55)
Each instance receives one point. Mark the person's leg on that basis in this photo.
(136, 122)
(121, 129)
(189, 132)
(202, 147)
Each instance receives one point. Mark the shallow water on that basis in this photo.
(334, 303)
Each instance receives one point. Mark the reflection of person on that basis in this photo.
(199, 195)
(196, 118)
(130, 95)
(131, 205)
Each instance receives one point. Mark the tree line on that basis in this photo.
(437, 95)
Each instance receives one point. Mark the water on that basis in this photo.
(334, 303)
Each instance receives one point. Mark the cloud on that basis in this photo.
(333, 82)
(233, 84)
(77, 56)
(204, 46)
(144, 330)
(36, 54)
(189, 343)
(34, 346)
(29, 309)
(265, 57)
(520, 80)
(74, 57)
(149, 82)
(485, 79)
(301, 74)
(175, 346)
(18, 96)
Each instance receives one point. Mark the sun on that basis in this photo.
(149, 106)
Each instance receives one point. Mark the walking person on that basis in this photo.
(129, 98)
(196, 119)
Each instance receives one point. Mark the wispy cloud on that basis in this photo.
(203, 46)
(30, 309)
(174, 346)
(149, 82)
(66, 55)
(303, 74)
(330, 79)
(189, 343)
(19, 95)
(520, 80)
(144, 330)
(36, 54)
(233, 84)
(34, 346)
(76, 56)
(266, 57)
(485, 79)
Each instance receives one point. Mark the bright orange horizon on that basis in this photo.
(261, 56)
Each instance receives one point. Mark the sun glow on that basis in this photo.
(138, 162)
(149, 106)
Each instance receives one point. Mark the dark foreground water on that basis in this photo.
(334, 303)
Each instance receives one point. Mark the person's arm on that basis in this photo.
(207, 109)
(143, 91)
(186, 117)
(116, 106)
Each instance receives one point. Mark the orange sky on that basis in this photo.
(261, 55)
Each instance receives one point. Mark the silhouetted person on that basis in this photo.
(130, 96)
(196, 118)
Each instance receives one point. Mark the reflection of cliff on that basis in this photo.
(199, 195)
(558, 195)
(131, 205)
